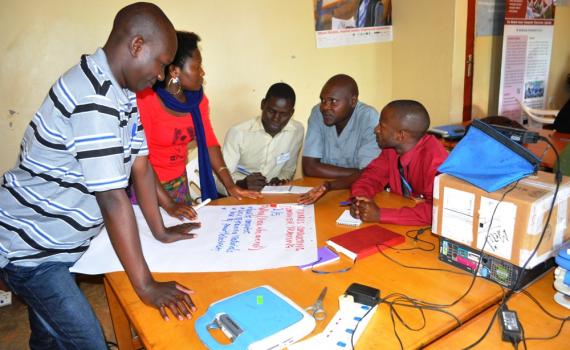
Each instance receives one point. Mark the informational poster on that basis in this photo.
(231, 238)
(352, 22)
(527, 47)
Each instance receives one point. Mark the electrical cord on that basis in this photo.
(523, 339)
(392, 304)
(420, 304)
(516, 286)
(415, 267)
(474, 274)
(321, 272)
(552, 336)
(411, 303)
(416, 238)
(534, 300)
(548, 313)
(356, 327)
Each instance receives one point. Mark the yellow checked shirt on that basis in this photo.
(248, 145)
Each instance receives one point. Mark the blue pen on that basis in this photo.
(243, 170)
(345, 203)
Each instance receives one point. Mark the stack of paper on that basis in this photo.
(285, 189)
(346, 219)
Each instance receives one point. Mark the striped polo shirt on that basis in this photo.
(82, 140)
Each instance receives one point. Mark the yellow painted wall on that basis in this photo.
(246, 45)
(486, 75)
(558, 90)
(423, 55)
(487, 68)
(249, 44)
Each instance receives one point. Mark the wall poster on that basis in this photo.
(527, 47)
(352, 22)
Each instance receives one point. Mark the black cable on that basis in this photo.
(420, 304)
(394, 311)
(472, 345)
(548, 313)
(414, 267)
(394, 328)
(558, 180)
(414, 305)
(552, 336)
(416, 238)
(522, 333)
(358, 323)
(474, 274)
(426, 307)
(435, 306)
(506, 298)
(321, 272)
(531, 297)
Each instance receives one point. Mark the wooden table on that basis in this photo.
(544, 151)
(304, 286)
(534, 321)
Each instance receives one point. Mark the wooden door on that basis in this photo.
(469, 61)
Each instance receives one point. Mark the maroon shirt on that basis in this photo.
(420, 167)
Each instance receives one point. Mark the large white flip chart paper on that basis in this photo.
(232, 238)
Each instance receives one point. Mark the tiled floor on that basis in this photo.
(15, 329)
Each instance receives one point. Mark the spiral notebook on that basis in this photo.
(346, 219)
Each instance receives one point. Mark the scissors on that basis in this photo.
(316, 310)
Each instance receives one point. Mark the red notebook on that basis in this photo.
(365, 241)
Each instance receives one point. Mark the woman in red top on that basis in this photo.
(174, 113)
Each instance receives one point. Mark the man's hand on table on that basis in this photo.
(254, 182)
(365, 209)
(181, 211)
(277, 182)
(177, 232)
(238, 192)
(314, 194)
(171, 295)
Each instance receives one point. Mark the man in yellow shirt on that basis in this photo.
(264, 150)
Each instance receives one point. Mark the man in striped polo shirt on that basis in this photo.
(75, 162)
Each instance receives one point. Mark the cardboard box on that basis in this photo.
(462, 213)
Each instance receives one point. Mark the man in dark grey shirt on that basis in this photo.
(340, 133)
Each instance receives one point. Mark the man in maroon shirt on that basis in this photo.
(401, 134)
(407, 165)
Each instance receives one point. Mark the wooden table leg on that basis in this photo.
(126, 340)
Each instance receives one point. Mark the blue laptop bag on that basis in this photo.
(488, 159)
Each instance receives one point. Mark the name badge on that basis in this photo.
(282, 158)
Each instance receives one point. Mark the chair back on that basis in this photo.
(541, 116)
(193, 174)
